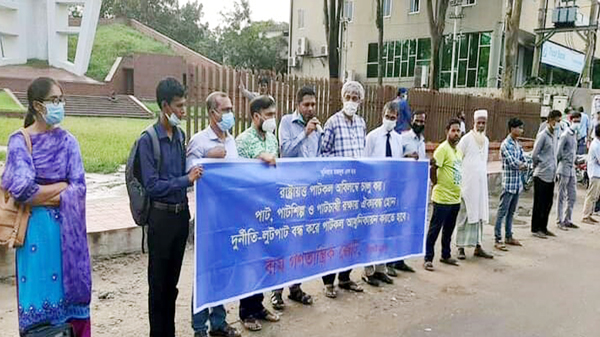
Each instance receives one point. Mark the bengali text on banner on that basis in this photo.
(260, 227)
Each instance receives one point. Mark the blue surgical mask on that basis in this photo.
(227, 121)
(55, 113)
(174, 120)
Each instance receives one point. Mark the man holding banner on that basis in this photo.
(446, 178)
(344, 136)
(300, 136)
(214, 142)
(258, 141)
(383, 142)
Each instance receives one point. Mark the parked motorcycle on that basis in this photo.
(581, 170)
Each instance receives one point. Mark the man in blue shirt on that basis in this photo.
(168, 222)
(299, 137)
(584, 130)
(404, 113)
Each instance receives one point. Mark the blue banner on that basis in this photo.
(260, 228)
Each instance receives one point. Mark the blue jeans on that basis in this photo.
(217, 319)
(506, 209)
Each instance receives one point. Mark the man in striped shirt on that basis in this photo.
(344, 136)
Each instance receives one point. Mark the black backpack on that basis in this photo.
(139, 201)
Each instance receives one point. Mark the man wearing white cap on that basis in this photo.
(474, 210)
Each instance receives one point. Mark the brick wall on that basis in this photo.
(149, 69)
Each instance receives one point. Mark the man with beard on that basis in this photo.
(474, 208)
(446, 179)
(544, 173)
(413, 146)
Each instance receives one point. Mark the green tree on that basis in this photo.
(437, 24)
(379, 24)
(333, 14)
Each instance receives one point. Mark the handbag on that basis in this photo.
(62, 330)
(14, 216)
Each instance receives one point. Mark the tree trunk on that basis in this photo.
(511, 46)
(437, 24)
(379, 24)
(332, 12)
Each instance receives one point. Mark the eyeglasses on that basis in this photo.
(55, 100)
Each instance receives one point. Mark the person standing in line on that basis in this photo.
(44, 170)
(344, 136)
(582, 133)
(446, 179)
(474, 208)
(168, 222)
(544, 173)
(263, 89)
(413, 146)
(593, 169)
(461, 117)
(404, 113)
(383, 142)
(300, 137)
(513, 164)
(567, 181)
(215, 142)
(258, 142)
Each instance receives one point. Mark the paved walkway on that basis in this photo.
(108, 208)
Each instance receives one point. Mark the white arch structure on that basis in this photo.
(39, 29)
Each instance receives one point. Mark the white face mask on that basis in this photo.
(269, 125)
(350, 108)
(174, 120)
(388, 125)
(575, 126)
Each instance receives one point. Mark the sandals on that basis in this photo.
(252, 324)
(277, 301)
(351, 286)
(269, 316)
(300, 297)
(428, 265)
(330, 291)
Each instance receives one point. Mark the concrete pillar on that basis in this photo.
(495, 55)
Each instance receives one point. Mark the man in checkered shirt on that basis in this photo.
(513, 163)
(344, 136)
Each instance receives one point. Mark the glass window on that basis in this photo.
(464, 46)
(349, 10)
(404, 72)
(482, 71)
(445, 80)
(486, 39)
(372, 57)
(462, 74)
(411, 66)
(372, 70)
(424, 49)
(413, 47)
(470, 2)
(387, 8)
(473, 52)
(390, 69)
(415, 6)
(405, 50)
(397, 66)
(471, 78)
(446, 56)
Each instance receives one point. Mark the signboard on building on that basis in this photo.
(561, 57)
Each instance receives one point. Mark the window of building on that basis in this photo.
(400, 57)
(470, 2)
(415, 6)
(387, 8)
(300, 18)
(471, 60)
(349, 10)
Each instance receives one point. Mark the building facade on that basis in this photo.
(407, 51)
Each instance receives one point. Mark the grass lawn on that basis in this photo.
(7, 104)
(116, 40)
(152, 105)
(105, 142)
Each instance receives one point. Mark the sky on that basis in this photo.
(278, 10)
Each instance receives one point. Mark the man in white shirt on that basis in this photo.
(593, 170)
(474, 210)
(383, 142)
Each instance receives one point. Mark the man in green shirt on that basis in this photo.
(446, 177)
(258, 142)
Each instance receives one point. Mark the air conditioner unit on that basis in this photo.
(324, 51)
(292, 62)
(302, 46)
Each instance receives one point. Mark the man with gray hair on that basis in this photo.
(214, 142)
(344, 136)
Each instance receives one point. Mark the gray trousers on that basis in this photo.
(567, 191)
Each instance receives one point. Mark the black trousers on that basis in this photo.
(543, 193)
(443, 219)
(343, 277)
(167, 236)
(252, 307)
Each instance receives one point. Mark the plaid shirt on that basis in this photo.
(512, 158)
(343, 138)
